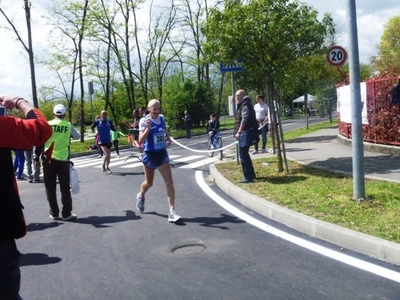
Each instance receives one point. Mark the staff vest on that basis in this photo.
(61, 137)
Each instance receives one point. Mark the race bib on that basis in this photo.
(159, 140)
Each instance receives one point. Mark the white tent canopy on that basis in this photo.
(301, 99)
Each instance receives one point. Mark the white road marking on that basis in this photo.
(354, 262)
(187, 158)
(200, 163)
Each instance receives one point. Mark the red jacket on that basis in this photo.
(16, 133)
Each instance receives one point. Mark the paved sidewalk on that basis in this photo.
(323, 149)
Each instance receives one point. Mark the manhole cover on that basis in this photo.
(188, 249)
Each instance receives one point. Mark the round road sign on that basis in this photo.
(336, 56)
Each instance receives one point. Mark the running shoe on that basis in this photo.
(104, 168)
(55, 217)
(108, 171)
(173, 217)
(70, 217)
(140, 202)
(255, 152)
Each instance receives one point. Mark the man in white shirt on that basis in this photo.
(262, 115)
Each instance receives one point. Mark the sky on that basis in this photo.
(372, 15)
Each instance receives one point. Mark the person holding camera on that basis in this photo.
(15, 133)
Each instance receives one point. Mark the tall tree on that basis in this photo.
(387, 59)
(155, 55)
(268, 35)
(28, 47)
(69, 22)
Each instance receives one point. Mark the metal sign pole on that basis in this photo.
(234, 110)
(91, 92)
(356, 120)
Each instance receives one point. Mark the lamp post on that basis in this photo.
(91, 92)
(356, 123)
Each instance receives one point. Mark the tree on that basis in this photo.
(268, 35)
(188, 95)
(70, 23)
(387, 59)
(28, 47)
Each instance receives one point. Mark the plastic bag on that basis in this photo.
(74, 180)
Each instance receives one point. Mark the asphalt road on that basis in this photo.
(113, 252)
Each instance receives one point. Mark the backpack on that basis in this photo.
(12, 221)
(394, 94)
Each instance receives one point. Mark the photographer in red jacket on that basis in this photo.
(15, 133)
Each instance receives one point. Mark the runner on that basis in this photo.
(155, 139)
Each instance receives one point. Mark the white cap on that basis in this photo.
(59, 110)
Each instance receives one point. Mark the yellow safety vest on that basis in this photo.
(61, 137)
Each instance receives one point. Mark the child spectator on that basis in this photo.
(114, 137)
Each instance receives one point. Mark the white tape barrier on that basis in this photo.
(203, 151)
(263, 125)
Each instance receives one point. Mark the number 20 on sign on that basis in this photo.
(336, 56)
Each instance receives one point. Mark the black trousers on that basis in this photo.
(247, 164)
(58, 169)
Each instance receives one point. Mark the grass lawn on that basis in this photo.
(323, 194)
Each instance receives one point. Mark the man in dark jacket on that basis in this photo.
(245, 122)
(15, 133)
(187, 119)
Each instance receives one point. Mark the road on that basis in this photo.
(113, 252)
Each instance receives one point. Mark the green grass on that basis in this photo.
(323, 194)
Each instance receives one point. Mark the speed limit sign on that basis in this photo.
(336, 56)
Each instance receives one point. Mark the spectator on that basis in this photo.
(134, 129)
(262, 115)
(19, 162)
(188, 124)
(15, 133)
(115, 136)
(33, 169)
(245, 121)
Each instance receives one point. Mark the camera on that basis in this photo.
(3, 111)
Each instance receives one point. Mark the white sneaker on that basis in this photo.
(140, 202)
(70, 217)
(173, 217)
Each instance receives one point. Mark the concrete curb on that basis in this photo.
(371, 147)
(340, 236)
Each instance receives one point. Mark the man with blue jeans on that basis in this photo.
(245, 120)
(262, 115)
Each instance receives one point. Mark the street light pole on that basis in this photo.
(91, 92)
(356, 123)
